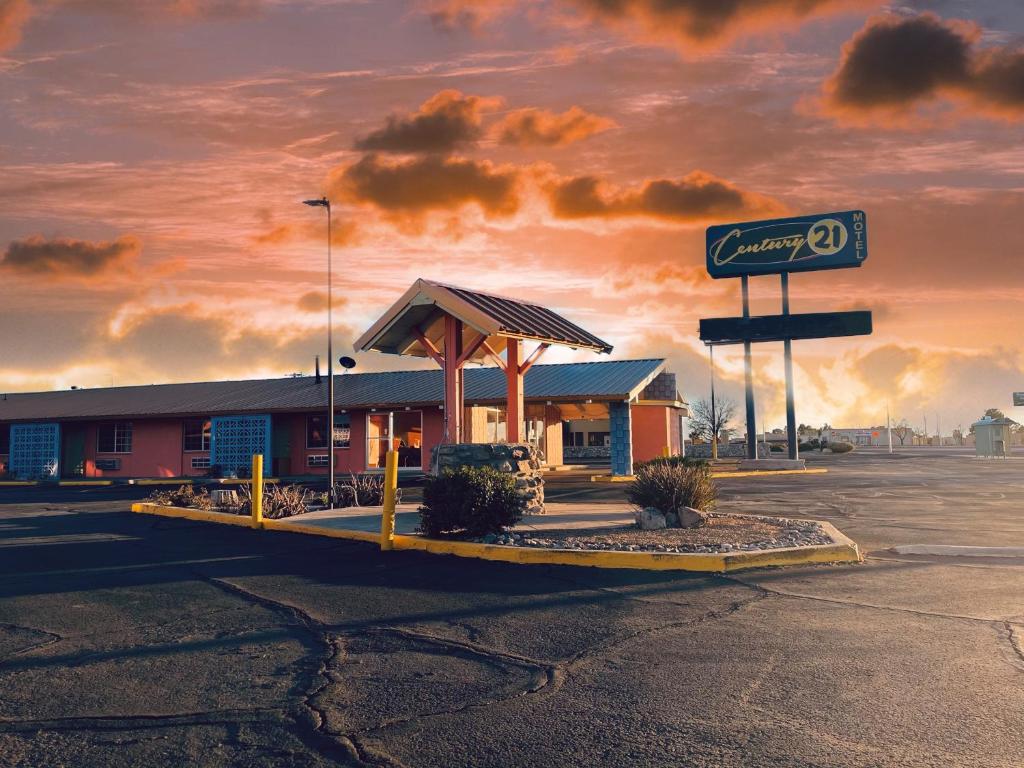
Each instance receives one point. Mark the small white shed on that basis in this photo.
(992, 437)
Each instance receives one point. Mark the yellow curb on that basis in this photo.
(201, 515)
(842, 550)
(85, 482)
(163, 481)
(200, 480)
(768, 473)
(12, 483)
(612, 478)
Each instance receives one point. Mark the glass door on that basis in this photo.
(401, 431)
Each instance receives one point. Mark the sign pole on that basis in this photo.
(748, 375)
(788, 353)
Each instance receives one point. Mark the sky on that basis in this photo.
(154, 155)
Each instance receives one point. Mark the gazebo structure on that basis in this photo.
(454, 326)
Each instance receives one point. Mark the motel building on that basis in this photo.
(213, 428)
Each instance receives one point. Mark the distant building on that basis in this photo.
(992, 436)
(857, 436)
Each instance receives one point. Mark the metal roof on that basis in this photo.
(610, 380)
(421, 309)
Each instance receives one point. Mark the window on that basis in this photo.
(5, 440)
(114, 438)
(317, 460)
(315, 432)
(200, 462)
(599, 439)
(197, 435)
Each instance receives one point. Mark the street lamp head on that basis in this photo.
(322, 202)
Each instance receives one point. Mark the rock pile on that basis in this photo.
(521, 459)
(650, 519)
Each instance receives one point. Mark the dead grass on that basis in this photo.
(720, 529)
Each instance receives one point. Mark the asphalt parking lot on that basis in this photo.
(128, 640)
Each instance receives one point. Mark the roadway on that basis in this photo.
(128, 640)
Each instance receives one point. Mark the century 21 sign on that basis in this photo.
(799, 244)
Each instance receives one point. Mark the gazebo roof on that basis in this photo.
(419, 314)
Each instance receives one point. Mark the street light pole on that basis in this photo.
(714, 413)
(325, 203)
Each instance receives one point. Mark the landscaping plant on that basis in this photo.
(183, 496)
(362, 491)
(278, 501)
(841, 447)
(671, 488)
(474, 501)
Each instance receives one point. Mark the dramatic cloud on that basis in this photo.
(895, 64)
(428, 183)
(63, 257)
(687, 23)
(13, 15)
(541, 128)
(313, 301)
(446, 121)
(342, 233)
(698, 196)
(184, 9)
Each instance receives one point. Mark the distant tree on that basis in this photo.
(902, 430)
(990, 413)
(708, 423)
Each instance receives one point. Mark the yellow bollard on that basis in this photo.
(257, 490)
(387, 518)
(666, 452)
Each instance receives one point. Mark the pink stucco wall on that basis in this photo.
(650, 428)
(156, 450)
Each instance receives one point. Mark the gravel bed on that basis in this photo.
(722, 533)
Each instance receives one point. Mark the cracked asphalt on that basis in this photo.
(128, 640)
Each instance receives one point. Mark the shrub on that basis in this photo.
(363, 491)
(670, 461)
(278, 500)
(471, 500)
(669, 488)
(183, 496)
(841, 447)
(806, 447)
(776, 448)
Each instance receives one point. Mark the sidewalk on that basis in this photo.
(559, 516)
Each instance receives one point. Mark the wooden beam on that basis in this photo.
(515, 408)
(494, 355)
(428, 345)
(453, 394)
(533, 358)
(472, 348)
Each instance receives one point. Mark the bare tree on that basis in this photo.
(902, 430)
(707, 423)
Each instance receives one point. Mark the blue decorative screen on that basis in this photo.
(235, 439)
(35, 451)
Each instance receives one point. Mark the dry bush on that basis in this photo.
(668, 488)
(278, 500)
(362, 491)
(840, 447)
(183, 496)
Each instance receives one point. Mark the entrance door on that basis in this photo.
(401, 431)
(72, 460)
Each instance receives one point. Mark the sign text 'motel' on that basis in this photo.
(799, 244)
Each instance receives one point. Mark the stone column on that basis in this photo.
(621, 438)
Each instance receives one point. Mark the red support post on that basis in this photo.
(453, 408)
(515, 412)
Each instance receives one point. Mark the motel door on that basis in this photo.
(72, 460)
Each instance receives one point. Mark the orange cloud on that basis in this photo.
(13, 16)
(444, 122)
(896, 64)
(183, 9)
(342, 233)
(430, 183)
(64, 257)
(685, 23)
(698, 196)
(539, 127)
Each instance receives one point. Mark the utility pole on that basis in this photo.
(714, 413)
(925, 428)
(938, 429)
(888, 426)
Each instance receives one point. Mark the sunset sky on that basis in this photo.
(154, 155)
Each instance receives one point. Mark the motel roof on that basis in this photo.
(571, 382)
(420, 312)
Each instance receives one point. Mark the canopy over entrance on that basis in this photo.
(454, 326)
